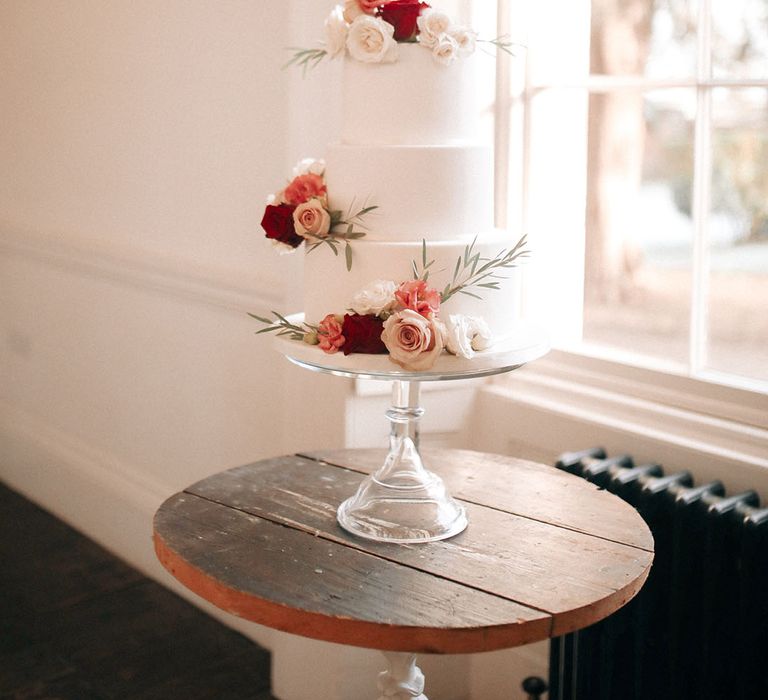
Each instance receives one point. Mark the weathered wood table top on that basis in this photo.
(545, 553)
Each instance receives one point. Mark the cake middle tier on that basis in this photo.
(421, 192)
(329, 288)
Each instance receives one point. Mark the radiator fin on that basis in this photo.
(698, 630)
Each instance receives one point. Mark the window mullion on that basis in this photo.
(702, 180)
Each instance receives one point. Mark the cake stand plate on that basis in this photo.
(524, 343)
(403, 501)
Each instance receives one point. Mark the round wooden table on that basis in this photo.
(545, 553)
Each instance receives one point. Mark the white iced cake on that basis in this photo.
(401, 254)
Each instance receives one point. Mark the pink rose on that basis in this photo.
(355, 8)
(303, 188)
(311, 220)
(329, 334)
(414, 341)
(415, 295)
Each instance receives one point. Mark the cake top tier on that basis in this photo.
(410, 73)
(412, 101)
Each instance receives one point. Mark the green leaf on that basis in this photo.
(365, 210)
(415, 270)
(456, 270)
(348, 256)
(332, 245)
(260, 318)
(424, 252)
(470, 294)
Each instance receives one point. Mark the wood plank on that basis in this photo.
(575, 577)
(289, 580)
(528, 489)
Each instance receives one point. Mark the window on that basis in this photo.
(632, 143)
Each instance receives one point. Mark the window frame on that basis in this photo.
(699, 390)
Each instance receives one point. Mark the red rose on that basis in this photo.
(278, 223)
(402, 15)
(363, 334)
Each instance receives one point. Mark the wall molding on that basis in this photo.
(79, 483)
(69, 457)
(232, 288)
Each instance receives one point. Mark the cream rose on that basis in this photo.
(351, 10)
(376, 298)
(336, 29)
(371, 40)
(311, 220)
(465, 334)
(413, 341)
(465, 38)
(431, 24)
(446, 49)
(309, 166)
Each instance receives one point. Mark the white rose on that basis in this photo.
(309, 166)
(377, 298)
(432, 23)
(482, 338)
(351, 10)
(282, 248)
(336, 29)
(414, 342)
(446, 49)
(465, 334)
(311, 220)
(371, 40)
(465, 38)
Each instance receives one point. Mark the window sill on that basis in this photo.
(567, 402)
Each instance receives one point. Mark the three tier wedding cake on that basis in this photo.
(401, 255)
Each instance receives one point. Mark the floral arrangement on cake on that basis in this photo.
(405, 319)
(300, 213)
(370, 30)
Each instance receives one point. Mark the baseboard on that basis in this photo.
(107, 500)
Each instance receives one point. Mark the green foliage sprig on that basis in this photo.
(352, 220)
(472, 271)
(284, 327)
(503, 42)
(306, 58)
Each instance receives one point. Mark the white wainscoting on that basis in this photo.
(124, 378)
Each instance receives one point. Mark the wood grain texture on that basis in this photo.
(76, 623)
(262, 542)
(517, 486)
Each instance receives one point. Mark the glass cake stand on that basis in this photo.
(403, 501)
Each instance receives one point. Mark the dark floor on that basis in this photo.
(78, 624)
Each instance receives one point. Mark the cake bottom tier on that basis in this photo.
(329, 287)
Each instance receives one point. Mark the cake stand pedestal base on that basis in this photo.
(403, 501)
(403, 680)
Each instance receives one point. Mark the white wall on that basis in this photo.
(137, 143)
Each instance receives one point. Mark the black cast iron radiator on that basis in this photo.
(698, 630)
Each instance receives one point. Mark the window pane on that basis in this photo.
(644, 37)
(738, 283)
(740, 39)
(638, 225)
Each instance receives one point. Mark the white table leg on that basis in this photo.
(403, 680)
